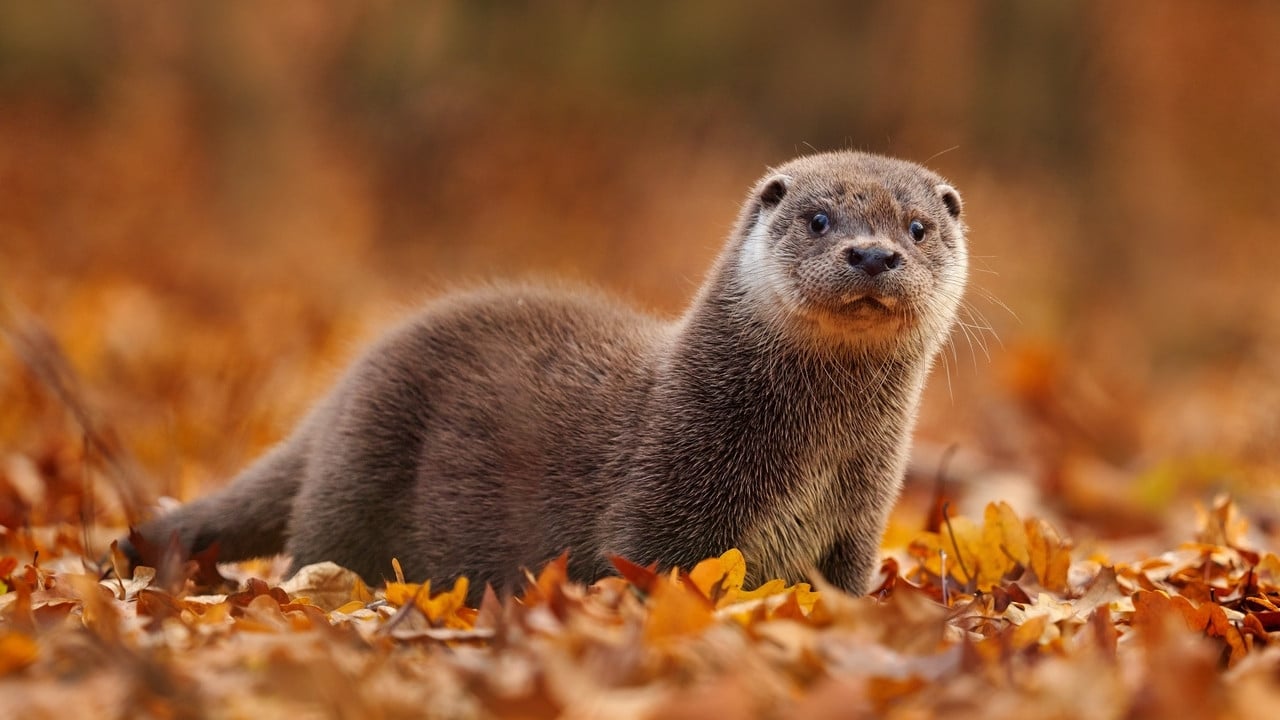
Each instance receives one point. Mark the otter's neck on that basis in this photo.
(773, 397)
(742, 423)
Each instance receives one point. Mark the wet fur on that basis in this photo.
(498, 428)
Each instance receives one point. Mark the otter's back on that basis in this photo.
(481, 429)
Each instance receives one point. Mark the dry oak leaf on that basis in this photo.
(1153, 610)
(328, 586)
(982, 557)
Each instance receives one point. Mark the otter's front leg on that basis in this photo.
(849, 563)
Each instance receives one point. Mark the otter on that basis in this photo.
(499, 428)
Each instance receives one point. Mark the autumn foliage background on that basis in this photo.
(207, 208)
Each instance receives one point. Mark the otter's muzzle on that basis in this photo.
(872, 259)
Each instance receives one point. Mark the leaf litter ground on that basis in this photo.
(995, 616)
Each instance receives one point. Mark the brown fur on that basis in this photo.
(499, 428)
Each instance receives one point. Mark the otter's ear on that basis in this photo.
(774, 189)
(950, 198)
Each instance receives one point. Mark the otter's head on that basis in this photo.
(855, 248)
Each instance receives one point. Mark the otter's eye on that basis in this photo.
(820, 223)
(916, 228)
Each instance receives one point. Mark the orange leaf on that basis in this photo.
(805, 596)
(402, 593)
(443, 609)
(17, 650)
(1012, 532)
(643, 578)
(1153, 609)
(7, 565)
(1222, 524)
(1104, 631)
(550, 579)
(675, 610)
(773, 587)
(1050, 555)
(350, 607)
(1029, 633)
(719, 577)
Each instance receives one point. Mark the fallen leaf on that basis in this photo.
(327, 586)
(17, 651)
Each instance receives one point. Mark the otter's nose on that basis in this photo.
(873, 260)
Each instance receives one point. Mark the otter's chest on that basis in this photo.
(792, 532)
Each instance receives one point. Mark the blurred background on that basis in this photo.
(210, 206)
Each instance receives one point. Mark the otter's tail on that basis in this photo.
(249, 518)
